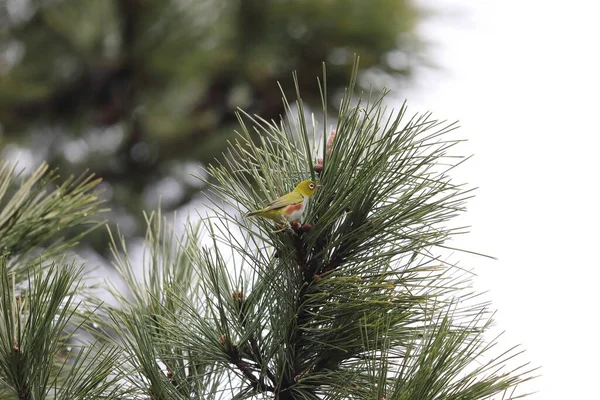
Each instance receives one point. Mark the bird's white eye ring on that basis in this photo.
(312, 186)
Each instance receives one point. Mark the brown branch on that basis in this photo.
(308, 268)
(256, 383)
(254, 354)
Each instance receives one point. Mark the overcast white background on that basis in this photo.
(523, 79)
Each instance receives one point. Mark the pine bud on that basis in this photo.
(330, 142)
(222, 340)
(306, 227)
(296, 226)
(318, 168)
(237, 296)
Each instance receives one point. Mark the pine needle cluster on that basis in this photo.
(42, 355)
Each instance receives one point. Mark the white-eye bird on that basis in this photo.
(289, 207)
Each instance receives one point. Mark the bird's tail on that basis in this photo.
(251, 213)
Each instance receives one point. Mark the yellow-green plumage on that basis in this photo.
(288, 207)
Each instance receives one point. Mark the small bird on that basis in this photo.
(289, 207)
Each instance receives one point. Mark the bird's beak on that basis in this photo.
(318, 186)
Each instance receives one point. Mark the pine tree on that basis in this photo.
(356, 302)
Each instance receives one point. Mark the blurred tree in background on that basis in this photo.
(142, 92)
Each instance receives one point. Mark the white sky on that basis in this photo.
(523, 79)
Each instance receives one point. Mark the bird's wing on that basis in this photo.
(285, 200)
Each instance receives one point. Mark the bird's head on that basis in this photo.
(306, 188)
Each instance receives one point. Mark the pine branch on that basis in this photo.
(385, 199)
(33, 216)
(149, 325)
(33, 338)
(355, 302)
